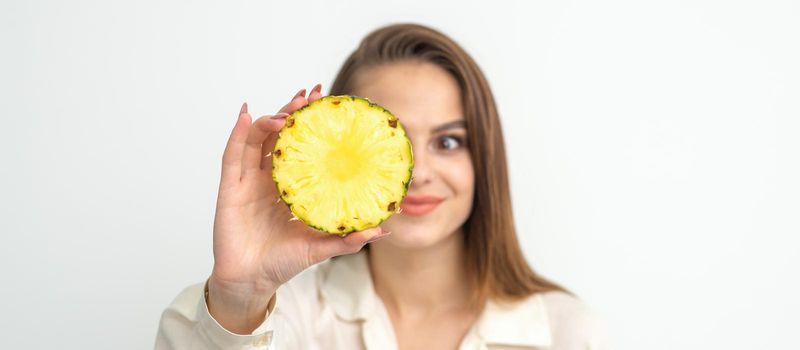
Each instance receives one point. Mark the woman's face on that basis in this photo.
(427, 101)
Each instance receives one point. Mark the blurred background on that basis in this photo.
(653, 147)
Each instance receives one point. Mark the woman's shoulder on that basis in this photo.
(573, 323)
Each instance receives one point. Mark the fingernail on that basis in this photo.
(300, 93)
(317, 88)
(244, 108)
(280, 115)
(379, 236)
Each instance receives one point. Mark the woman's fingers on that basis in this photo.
(257, 142)
(315, 94)
(234, 149)
(299, 100)
(260, 139)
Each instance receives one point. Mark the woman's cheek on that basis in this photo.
(459, 175)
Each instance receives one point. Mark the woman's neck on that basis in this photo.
(419, 282)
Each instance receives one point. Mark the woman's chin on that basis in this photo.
(411, 236)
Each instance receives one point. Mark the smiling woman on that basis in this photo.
(447, 272)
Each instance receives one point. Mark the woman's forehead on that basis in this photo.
(422, 95)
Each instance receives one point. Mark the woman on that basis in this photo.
(445, 273)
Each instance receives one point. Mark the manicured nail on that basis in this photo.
(244, 108)
(302, 93)
(280, 115)
(317, 88)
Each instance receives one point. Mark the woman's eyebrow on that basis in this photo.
(450, 125)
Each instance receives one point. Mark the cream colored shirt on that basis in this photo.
(333, 305)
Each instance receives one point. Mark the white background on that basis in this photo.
(653, 151)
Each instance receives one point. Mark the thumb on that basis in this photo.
(332, 245)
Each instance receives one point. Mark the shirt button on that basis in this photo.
(263, 340)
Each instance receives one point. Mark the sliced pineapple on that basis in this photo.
(342, 164)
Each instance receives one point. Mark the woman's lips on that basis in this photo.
(419, 205)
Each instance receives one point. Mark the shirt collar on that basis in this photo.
(347, 284)
(524, 323)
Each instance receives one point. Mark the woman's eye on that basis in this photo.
(449, 143)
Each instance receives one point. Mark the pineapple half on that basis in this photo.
(342, 164)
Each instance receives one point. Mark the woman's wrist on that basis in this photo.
(238, 311)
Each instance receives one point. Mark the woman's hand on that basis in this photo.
(257, 247)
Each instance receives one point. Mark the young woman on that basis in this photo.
(445, 273)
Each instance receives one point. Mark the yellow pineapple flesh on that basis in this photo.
(342, 164)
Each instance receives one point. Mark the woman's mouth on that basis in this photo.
(419, 205)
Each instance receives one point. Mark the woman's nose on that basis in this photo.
(422, 174)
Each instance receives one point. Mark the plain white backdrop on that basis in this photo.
(653, 151)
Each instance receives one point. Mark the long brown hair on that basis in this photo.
(494, 259)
